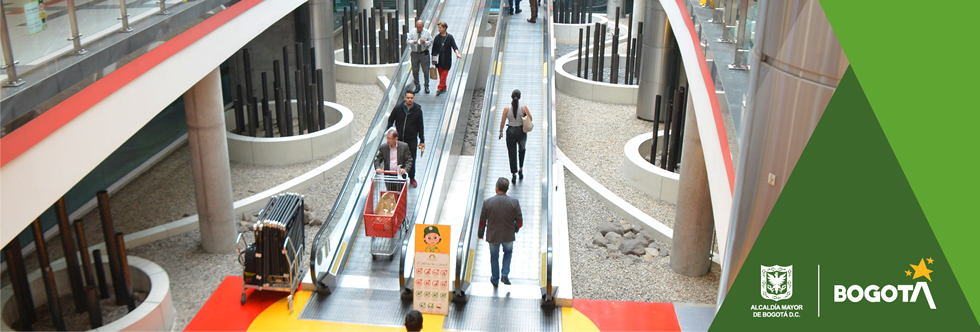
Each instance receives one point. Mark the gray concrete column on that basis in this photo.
(797, 64)
(659, 62)
(611, 9)
(365, 4)
(690, 253)
(639, 13)
(322, 21)
(209, 163)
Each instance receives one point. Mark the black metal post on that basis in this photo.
(265, 106)
(629, 48)
(240, 112)
(372, 38)
(253, 117)
(614, 61)
(277, 98)
(365, 44)
(247, 59)
(578, 70)
(344, 32)
(638, 59)
(299, 103)
(675, 130)
(115, 267)
(382, 38)
(668, 113)
(100, 274)
(94, 307)
(18, 281)
(595, 52)
(589, 16)
(83, 250)
(285, 82)
(319, 104)
(656, 128)
(602, 55)
(71, 258)
(128, 283)
(49, 284)
(588, 35)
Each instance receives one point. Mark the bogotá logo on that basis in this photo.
(777, 282)
(890, 293)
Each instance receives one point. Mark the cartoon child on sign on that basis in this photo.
(432, 239)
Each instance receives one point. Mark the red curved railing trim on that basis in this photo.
(715, 108)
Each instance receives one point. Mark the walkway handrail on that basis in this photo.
(548, 185)
(465, 253)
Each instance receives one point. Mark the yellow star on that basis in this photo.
(929, 260)
(908, 273)
(921, 270)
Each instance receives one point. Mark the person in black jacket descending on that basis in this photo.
(407, 119)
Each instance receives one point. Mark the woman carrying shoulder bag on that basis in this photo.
(516, 137)
(440, 59)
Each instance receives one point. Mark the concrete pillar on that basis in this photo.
(322, 20)
(209, 162)
(365, 4)
(690, 254)
(639, 13)
(659, 62)
(611, 9)
(797, 64)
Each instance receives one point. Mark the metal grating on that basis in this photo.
(502, 314)
(358, 306)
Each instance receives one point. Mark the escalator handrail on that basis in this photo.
(549, 188)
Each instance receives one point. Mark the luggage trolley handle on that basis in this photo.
(238, 245)
(392, 175)
(293, 272)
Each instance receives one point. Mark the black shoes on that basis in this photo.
(494, 284)
(518, 11)
(521, 173)
(513, 177)
(505, 281)
(426, 90)
(440, 92)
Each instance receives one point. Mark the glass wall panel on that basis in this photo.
(36, 29)
(95, 16)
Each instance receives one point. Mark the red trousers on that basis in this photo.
(442, 78)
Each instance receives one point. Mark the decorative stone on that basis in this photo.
(626, 226)
(643, 239)
(632, 247)
(648, 258)
(664, 253)
(635, 259)
(652, 252)
(253, 219)
(309, 216)
(612, 248)
(653, 245)
(614, 238)
(609, 227)
(599, 240)
(316, 222)
(629, 235)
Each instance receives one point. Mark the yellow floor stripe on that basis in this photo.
(573, 320)
(277, 318)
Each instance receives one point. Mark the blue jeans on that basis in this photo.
(495, 269)
(514, 5)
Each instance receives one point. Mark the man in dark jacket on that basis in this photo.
(407, 119)
(393, 148)
(501, 218)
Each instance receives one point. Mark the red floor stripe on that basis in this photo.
(24, 138)
(224, 312)
(629, 316)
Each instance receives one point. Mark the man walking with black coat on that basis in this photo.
(500, 220)
(407, 120)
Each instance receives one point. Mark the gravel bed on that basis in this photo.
(75, 321)
(597, 275)
(601, 155)
(473, 123)
(165, 193)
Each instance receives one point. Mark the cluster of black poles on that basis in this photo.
(309, 98)
(573, 11)
(673, 119)
(83, 292)
(282, 218)
(363, 44)
(598, 47)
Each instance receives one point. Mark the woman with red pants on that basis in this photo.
(441, 59)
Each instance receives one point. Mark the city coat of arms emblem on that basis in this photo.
(777, 282)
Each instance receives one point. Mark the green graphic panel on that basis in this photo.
(847, 216)
(914, 62)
